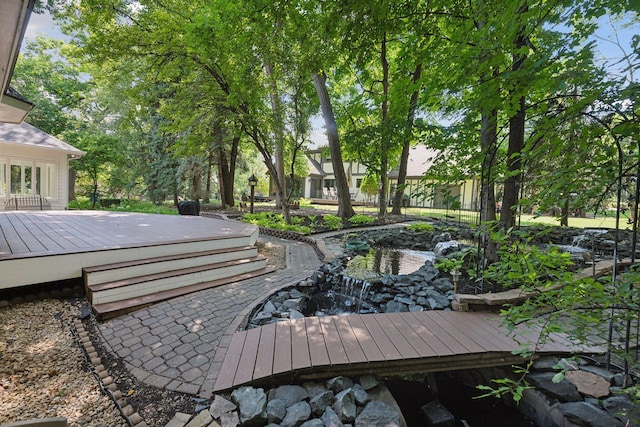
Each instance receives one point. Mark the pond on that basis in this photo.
(380, 261)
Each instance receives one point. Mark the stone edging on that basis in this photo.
(104, 379)
(292, 235)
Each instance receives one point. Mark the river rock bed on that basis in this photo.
(328, 286)
(338, 401)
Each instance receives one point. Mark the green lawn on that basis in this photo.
(465, 216)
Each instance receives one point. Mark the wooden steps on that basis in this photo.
(116, 288)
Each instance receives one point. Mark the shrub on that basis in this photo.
(361, 219)
(276, 222)
(333, 222)
(420, 227)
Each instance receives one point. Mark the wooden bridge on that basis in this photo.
(393, 343)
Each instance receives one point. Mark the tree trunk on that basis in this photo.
(516, 145)
(207, 191)
(72, 184)
(345, 210)
(564, 213)
(489, 143)
(514, 163)
(278, 130)
(404, 158)
(384, 142)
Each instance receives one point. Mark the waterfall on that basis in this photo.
(350, 295)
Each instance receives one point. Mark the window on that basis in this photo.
(358, 182)
(27, 179)
(329, 183)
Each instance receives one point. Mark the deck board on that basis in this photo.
(333, 341)
(301, 357)
(266, 351)
(388, 350)
(317, 346)
(367, 344)
(387, 343)
(282, 352)
(246, 366)
(231, 361)
(352, 347)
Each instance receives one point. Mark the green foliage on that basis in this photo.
(276, 222)
(522, 264)
(333, 222)
(421, 227)
(449, 264)
(125, 205)
(507, 386)
(361, 219)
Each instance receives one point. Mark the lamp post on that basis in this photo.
(253, 181)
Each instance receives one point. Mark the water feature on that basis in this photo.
(380, 261)
(347, 297)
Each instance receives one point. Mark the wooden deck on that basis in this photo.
(46, 246)
(397, 343)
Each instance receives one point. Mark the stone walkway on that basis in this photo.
(180, 344)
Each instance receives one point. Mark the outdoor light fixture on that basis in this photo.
(253, 181)
(455, 275)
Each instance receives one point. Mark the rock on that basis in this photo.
(321, 401)
(414, 308)
(296, 415)
(444, 248)
(261, 316)
(369, 381)
(313, 423)
(378, 414)
(229, 419)
(201, 420)
(252, 404)
(293, 303)
(395, 307)
(403, 300)
(563, 391)
(622, 407)
(276, 410)
(269, 307)
(437, 415)
(586, 415)
(220, 406)
(345, 406)
(607, 375)
(360, 395)
(289, 394)
(546, 364)
(314, 388)
(588, 384)
(330, 418)
(337, 384)
(295, 314)
(294, 293)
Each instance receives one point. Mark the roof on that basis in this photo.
(315, 169)
(13, 23)
(27, 135)
(421, 159)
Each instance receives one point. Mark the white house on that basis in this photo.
(34, 163)
(320, 182)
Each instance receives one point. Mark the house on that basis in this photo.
(34, 163)
(13, 23)
(320, 182)
(429, 194)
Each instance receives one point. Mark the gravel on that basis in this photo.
(43, 372)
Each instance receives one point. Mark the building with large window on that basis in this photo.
(34, 163)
